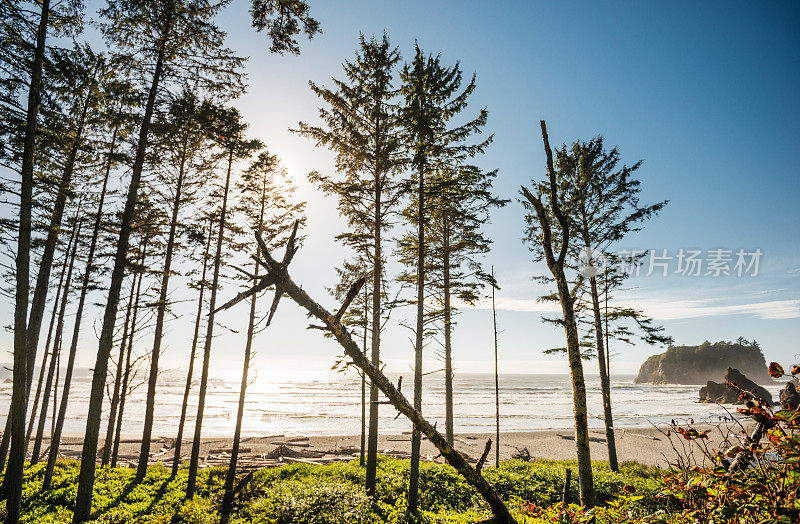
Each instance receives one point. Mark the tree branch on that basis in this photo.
(277, 271)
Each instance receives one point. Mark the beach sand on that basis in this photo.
(646, 445)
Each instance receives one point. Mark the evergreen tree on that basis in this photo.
(227, 127)
(458, 198)
(181, 144)
(18, 17)
(267, 202)
(165, 41)
(118, 97)
(70, 255)
(601, 200)
(201, 286)
(361, 126)
(554, 249)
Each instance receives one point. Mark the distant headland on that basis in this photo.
(699, 364)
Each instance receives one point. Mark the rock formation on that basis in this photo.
(699, 364)
(720, 393)
(790, 399)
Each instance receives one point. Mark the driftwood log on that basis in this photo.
(278, 276)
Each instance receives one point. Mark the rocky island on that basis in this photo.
(699, 364)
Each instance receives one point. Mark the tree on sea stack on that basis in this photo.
(550, 217)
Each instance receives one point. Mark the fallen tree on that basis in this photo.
(278, 276)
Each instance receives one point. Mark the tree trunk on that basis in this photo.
(361, 457)
(16, 426)
(131, 335)
(556, 267)
(37, 443)
(605, 384)
(227, 501)
(144, 452)
(578, 392)
(46, 263)
(377, 271)
(47, 347)
(55, 393)
(201, 400)
(608, 346)
(73, 347)
(448, 324)
(83, 501)
(184, 406)
(108, 443)
(496, 382)
(416, 437)
(379, 380)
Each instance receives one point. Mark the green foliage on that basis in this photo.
(334, 493)
(327, 494)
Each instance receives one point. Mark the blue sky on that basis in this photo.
(705, 94)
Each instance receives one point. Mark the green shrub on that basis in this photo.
(334, 493)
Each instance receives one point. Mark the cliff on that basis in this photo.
(699, 364)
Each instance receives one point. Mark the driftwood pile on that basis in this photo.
(286, 450)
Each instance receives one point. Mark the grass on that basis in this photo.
(320, 494)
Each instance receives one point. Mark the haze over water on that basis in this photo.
(330, 404)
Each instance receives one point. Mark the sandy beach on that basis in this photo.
(645, 445)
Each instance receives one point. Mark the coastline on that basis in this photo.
(646, 445)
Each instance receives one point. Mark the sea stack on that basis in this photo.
(722, 394)
(699, 364)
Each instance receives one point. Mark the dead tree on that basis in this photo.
(556, 264)
(278, 276)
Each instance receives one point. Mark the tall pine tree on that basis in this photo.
(360, 124)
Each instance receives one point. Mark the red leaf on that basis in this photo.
(775, 370)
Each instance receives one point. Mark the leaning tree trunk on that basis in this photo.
(201, 399)
(227, 501)
(115, 395)
(37, 443)
(361, 457)
(126, 376)
(278, 275)
(176, 461)
(416, 437)
(144, 452)
(448, 347)
(230, 477)
(83, 500)
(76, 329)
(496, 382)
(45, 266)
(377, 271)
(16, 426)
(44, 365)
(55, 393)
(605, 384)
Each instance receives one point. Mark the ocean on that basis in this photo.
(330, 403)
